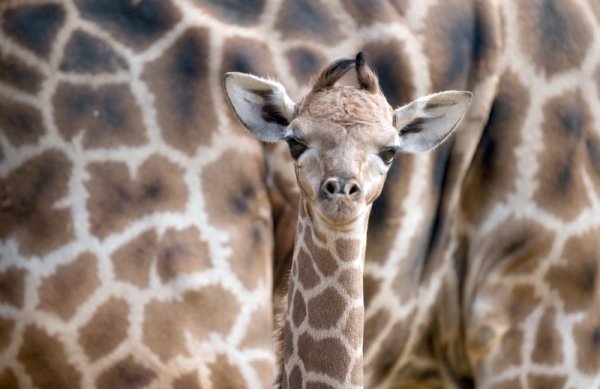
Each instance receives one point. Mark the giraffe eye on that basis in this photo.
(387, 154)
(296, 146)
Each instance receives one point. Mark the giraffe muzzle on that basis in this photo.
(340, 201)
(340, 188)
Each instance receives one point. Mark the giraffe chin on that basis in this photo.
(340, 215)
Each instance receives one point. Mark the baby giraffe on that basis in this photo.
(342, 140)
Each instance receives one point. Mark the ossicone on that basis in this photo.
(332, 73)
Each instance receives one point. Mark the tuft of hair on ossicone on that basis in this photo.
(367, 79)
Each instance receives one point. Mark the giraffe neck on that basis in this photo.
(323, 329)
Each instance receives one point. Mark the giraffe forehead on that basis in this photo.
(345, 116)
(348, 105)
(334, 135)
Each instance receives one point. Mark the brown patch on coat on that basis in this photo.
(523, 300)
(187, 381)
(127, 373)
(493, 169)
(550, 381)
(374, 325)
(106, 329)
(34, 26)
(85, 53)
(236, 12)
(64, 291)
(367, 12)
(225, 374)
(237, 201)
(304, 63)
(326, 356)
(6, 328)
(386, 357)
(12, 286)
(575, 277)
(137, 24)
(371, 286)
(567, 126)
(167, 322)
(307, 20)
(356, 375)
(592, 157)
(45, 360)
(512, 383)
(321, 257)
(18, 74)
(179, 82)
(295, 378)
(259, 332)
(519, 246)
(452, 42)
(586, 335)
(108, 115)
(352, 282)
(265, 371)
(307, 275)
(247, 56)
(298, 309)
(27, 204)
(354, 327)
(181, 252)
(406, 280)
(347, 249)
(509, 353)
(325, 309)
(288, 341)
(555, 34)
(132, 261)
(177, 252)
(388, 58)
(8, 379)
(116, 199)
(547, 348)
(21, 124)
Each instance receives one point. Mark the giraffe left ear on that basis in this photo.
(262, 106)
(428, 121)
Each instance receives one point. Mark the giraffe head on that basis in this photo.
(342, 138)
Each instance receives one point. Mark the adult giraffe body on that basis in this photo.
(121, 216)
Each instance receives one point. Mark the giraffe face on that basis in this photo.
(342, 138)
(342, 142)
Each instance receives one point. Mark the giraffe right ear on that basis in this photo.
(261, 105)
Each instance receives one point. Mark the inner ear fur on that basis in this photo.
(263, 106)
(428, 121)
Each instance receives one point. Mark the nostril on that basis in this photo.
(331, 187)
(344, 187)
(352, 189)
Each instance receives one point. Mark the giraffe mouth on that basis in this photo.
(339, 214)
